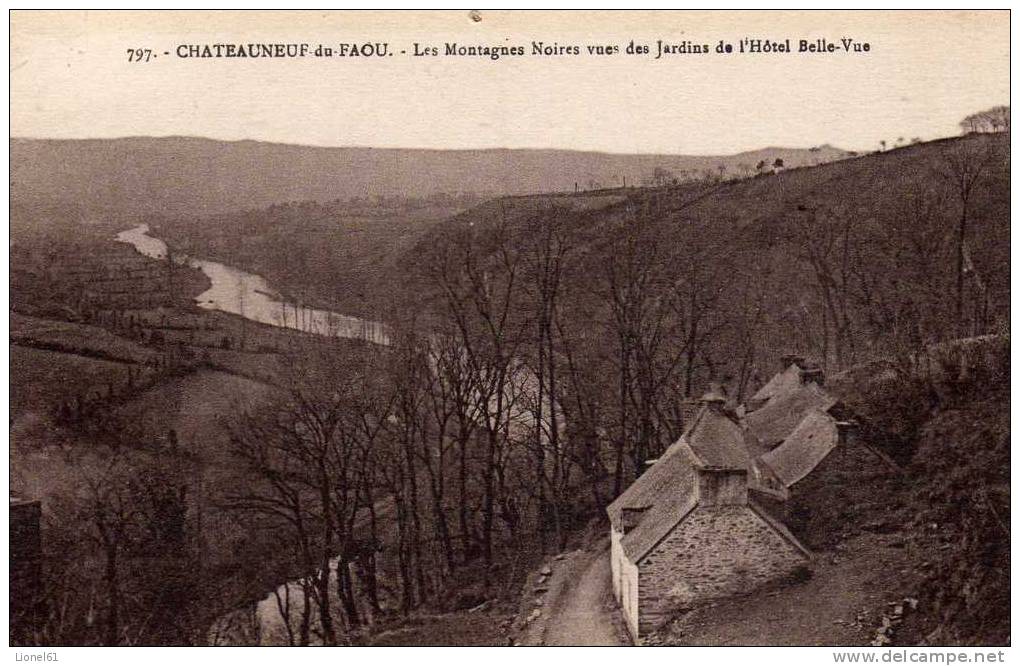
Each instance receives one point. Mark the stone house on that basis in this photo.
(814, 468)
(739, 498)
(687, 530)
(770, 418)
(788, 378)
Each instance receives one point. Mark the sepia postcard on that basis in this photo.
(510, 328)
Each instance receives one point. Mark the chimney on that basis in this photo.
(790, 359)
(813, 374)
(848, 432)
(714, 399)
(630, 517)
(646, 465)
(719, 486)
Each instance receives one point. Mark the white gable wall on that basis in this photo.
(625, 582)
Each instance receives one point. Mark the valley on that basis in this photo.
(188, 362)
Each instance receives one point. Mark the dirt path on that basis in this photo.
(583, 614)
(578, 609)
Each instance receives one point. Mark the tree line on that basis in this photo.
(545, 354)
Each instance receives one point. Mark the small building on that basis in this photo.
(799, 393)
(788, 378)
(687, 531)
(814, 469)
(25, 563)
(826, 475)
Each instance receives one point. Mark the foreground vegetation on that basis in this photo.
(543, 349)
(546, 345)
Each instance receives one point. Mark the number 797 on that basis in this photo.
(139, 55)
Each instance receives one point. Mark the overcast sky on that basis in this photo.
(71, 79)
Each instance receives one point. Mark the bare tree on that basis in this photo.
(626, 286)
(547, 260)
(112, 509)
(656, 308)
(661, 176)
(311, 456)
(963, 166)
(477, 274)
(827, 243)
(901, 290)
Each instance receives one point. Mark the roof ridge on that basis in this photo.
(721, 440)
(698, 415)
(698, 460)
(883, 456)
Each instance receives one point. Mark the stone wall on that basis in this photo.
(715, 552)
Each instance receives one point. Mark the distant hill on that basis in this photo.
(194, 176)
(893, 215)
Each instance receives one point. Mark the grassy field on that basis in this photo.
(109, 353)
(41, 379)
(75, 338)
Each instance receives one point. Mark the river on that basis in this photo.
(250, 296)
(274, 619)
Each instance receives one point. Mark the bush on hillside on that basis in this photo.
(962, 493)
